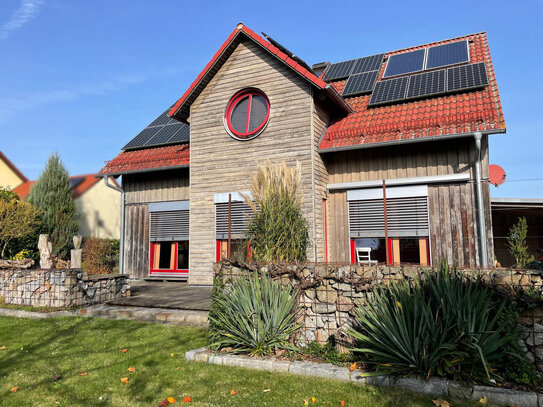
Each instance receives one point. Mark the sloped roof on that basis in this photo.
(464, 112)
(146, 159)
(79, 184)
(12, 167)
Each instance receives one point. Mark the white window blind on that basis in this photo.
(169, 221)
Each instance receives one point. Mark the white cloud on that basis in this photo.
(26, 12)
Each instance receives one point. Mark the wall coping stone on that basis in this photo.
(434, 386)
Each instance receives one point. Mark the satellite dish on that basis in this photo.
(496, 174)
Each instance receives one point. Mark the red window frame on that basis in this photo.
(236, 99)
(390, 254)
(175, 270)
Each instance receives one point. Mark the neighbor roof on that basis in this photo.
(79, 184)
(12, 167)
(463, 112)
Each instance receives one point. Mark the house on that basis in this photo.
(97, 205)
(506, 213)
(406, 128)
(10, 176)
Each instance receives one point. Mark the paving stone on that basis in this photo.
(505, 397)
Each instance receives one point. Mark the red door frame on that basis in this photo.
(173, 272)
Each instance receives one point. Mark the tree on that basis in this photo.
(7, 194)
(17, 219)
(52, 195)
(516, 240)
(278, 231)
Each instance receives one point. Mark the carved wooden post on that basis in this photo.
(46, 248)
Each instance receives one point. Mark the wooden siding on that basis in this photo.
(141, 189)
(452, 207)
(221, 164)
(157, 186)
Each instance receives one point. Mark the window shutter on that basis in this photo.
(241, 214)
(406, 217)
(169, 226)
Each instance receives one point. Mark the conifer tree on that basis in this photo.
(52, 195)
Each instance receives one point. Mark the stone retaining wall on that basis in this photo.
(329, 293)
(60, 288)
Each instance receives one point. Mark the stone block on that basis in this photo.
(190, 355)
(459, 391)
(326, 294)
(215, 359)
(358, 378)
(323, 308)
(329, 371)
(434, 386)
(201, 357)
(301, 368)
(505, 397)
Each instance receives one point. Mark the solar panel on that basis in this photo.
(391, 90)
(368, 64)
(426, 84)
(163, 130)
(447, 54)
(466, 77)
(142, 137)
(340, 70)
(360, 83)
(405, 63)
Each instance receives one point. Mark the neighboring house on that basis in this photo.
(505, 213)
(416, 120)
(10, 176)
(97, 205)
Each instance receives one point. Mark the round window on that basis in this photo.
(247, 114)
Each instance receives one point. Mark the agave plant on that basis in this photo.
(444, 324)
(253, 315)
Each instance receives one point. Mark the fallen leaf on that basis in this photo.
(83, 374)
(313, 399)
(124, 350)
(233, 392)
(306, 402)
(342, 403)
(131, 369)
(187, 399)
(352, 367)
(124, 379)
(171, 400)
(178, 368)
(57, 377)
(266, 390)
(14, 389)
(484, 401)
(163, 403)
(3, 348)
(441, 403)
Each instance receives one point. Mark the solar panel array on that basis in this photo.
(425, 84)
(360, 83)
(344, 69)
(405, 63)
(162, 131)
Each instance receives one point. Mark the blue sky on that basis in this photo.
(84, 77)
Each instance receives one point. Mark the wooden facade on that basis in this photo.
(141, 190)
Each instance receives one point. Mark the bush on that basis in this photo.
(516, 241)
(278, 231)
(52, 195)
(253, 315)
(444, 324)
(100, 256)
(18, 219)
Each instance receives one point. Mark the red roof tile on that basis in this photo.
(446, 115)
(150, 158)
(88, 180)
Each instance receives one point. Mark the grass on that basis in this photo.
(38, 350)
(34, 308)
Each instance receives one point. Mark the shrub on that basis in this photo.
(278, 231)
(444, 324)
(100, 256)
(253, 315)
(516, 241)
(52, 195)
(18, 219)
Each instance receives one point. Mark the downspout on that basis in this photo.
(121, 240)
(479, 192)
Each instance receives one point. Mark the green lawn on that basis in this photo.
(38, 350)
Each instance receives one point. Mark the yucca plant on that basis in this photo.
(278, 231)
(444, 324)
(253, 315)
